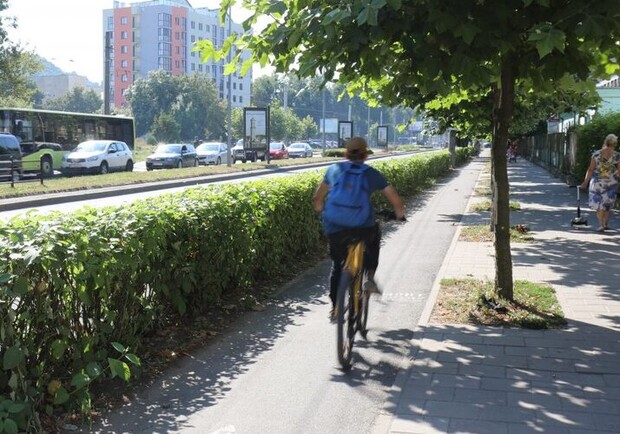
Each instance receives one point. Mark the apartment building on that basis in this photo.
(141, 37)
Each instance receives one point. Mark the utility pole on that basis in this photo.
(324, 143)
(106, 73)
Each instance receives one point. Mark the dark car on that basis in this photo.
(172, 155)
(10, 150)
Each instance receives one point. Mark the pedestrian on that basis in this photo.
(601, 180)
(341, 234)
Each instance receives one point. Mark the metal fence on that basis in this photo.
(12, 172)
(555, 152)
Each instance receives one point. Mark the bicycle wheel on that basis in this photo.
(362, 319)
(345, 324)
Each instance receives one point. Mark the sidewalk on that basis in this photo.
(476, 379)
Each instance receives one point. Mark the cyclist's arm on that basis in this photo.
(395, 200)
(318, 199)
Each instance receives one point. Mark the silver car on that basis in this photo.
(212, 153)
(300, 150)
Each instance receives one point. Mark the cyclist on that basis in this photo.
(340, 236)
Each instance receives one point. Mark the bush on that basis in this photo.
(73, 286)
(591, 137)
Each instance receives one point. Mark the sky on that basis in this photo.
(69, 33)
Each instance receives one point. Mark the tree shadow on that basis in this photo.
(499, 379)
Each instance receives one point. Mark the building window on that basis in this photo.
(200, 67)
(123, 48)
(240, 86)
(193, 24)
(124, 35)
(164, 49)
(240, 100)
(234, 98)
(193, 66)
(164, 63)
(123, 64)
(164, 35)
(164, 20)
(193, 38)
(124, 78)
(200, 26)
(123, 20)
(235, 86)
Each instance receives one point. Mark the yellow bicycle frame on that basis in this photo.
(354, 264)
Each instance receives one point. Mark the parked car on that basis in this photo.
(169, 156)
(9, 148)
(212, 153)
(300, 150)
(277, 151)
(98, 156)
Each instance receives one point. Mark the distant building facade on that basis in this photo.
(58, 84)
(609, 91)
(160, 34)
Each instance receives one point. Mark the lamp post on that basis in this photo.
(229, 111)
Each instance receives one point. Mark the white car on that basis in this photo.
(300, 150)
(212, 153)
(98, 156)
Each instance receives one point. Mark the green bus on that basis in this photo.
(46, 135)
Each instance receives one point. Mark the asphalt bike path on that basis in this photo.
(276, 371)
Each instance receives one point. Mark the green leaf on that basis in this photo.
(133, 359)
(5, 278)
(94, 369)
(16, 407)
(119, 347)
(58, 349)
(12, 357)
(21, 286)
(80, 380)
(10, 427)
(62, 396)
(119, 369)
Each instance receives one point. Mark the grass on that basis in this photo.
(483, 233)
(85, 182)
(485, 205)
(471, 301)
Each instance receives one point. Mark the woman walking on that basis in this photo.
(602, 180)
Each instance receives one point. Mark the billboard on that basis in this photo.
(256, 128)
(345, 132)
(382, 136)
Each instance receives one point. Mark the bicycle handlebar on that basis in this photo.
(386, 214)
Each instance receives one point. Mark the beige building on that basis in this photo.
(53, 86)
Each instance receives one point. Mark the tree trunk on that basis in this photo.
(502, 115)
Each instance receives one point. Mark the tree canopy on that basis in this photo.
(414, 52)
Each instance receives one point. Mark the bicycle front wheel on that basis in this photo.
(345, 327)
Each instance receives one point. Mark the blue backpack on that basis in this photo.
(348, 201)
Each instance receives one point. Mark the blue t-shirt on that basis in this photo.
(376, 181)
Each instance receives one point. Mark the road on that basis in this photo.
(276, 371)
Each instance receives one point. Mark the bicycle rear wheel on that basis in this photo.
(345, 323)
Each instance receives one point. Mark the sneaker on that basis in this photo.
(371, 286)
(333, 315)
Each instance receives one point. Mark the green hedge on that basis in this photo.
(73, 287)
(591, 137)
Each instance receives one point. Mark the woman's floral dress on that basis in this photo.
(604, 182)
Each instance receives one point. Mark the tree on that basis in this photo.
(190, 99)
(411, 53)
(77, 100)
(166, 129)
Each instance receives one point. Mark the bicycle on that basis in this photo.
(353, 299)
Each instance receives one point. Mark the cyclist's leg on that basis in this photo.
(372, 239)
(338, 253)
